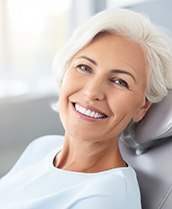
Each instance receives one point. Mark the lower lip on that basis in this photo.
(85, 117)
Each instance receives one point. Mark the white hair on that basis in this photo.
(132, 25)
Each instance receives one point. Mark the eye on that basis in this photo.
(120, 82)
(84, 68)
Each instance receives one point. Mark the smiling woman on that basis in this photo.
(110, 74)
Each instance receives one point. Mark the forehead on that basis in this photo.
(111, 49)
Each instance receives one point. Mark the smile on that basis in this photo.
(88, 112)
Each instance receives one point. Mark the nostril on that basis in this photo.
(94, 94)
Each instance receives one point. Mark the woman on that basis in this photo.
(111, 70)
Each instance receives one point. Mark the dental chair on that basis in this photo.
(149, 152)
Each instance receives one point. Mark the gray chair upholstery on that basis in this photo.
(149, 151)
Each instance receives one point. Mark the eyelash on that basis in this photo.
(84, 68)
(121, 82)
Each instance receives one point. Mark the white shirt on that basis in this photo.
(34, 183)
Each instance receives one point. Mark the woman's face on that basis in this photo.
(104, 88)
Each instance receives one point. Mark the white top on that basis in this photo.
(34, 183)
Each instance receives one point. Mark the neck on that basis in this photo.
(89, 157)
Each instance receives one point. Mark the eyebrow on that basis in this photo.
(89, 59)
(124, 72)
(113, 70)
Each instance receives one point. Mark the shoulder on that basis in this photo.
(38, 149)
(114, 180)
(43, 145)
(46, 143)
(117, 188)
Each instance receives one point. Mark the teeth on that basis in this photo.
(88, 112)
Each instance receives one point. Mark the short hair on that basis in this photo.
(132, 25)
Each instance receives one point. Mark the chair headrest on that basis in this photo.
(156, 125)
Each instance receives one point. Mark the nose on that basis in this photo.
(94, 90)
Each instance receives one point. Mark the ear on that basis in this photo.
(143, 110)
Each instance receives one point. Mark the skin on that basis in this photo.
(109, 76)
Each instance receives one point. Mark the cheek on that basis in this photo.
(64, 94)
(61, 108)
(70, 83)
(67, 90)
(126, 104)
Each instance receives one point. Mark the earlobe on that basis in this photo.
(142, 112)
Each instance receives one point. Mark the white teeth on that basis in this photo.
(88, 112)
(92, 114)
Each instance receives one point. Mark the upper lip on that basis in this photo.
(88, 107)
